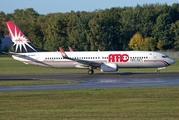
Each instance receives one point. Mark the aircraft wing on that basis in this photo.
(85, 62)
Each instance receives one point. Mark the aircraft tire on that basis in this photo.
(90, 72)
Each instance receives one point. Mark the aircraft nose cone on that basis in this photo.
(172, 61)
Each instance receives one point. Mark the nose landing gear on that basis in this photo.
(158, 70)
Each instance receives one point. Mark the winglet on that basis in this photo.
(70, 49)
(63, 53)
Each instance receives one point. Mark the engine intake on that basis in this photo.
(109, 67)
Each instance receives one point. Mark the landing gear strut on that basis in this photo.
(157, 71)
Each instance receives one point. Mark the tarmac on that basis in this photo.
(97, 80)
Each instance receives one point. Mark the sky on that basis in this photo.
(53, 6)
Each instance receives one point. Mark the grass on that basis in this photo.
(10, 66)
(159, 103)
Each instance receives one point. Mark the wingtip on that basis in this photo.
(70, 49)
(60, 49)
(62, 52)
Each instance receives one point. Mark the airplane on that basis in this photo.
(105, 61)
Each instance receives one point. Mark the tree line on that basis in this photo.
(143, 27)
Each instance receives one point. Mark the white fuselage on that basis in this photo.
(106, 61)
(123, 59)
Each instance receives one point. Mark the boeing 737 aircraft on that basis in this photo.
(106, 61)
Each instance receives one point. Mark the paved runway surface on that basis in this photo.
(97, 80)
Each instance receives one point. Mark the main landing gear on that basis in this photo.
(90, 71)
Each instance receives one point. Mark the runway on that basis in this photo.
(97, 80)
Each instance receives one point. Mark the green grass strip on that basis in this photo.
(140, 103)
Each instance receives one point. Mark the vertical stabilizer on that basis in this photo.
(21, 43)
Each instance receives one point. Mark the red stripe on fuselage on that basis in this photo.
(162, 61)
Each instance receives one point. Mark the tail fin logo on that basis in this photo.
(20, 41)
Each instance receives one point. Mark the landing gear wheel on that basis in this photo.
(157, 71)
(90, 72)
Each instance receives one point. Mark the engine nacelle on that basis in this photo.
(109, 67)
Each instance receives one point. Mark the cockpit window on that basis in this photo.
(165, 56)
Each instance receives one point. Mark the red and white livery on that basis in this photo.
(106, 61)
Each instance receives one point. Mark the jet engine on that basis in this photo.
(109, 67)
